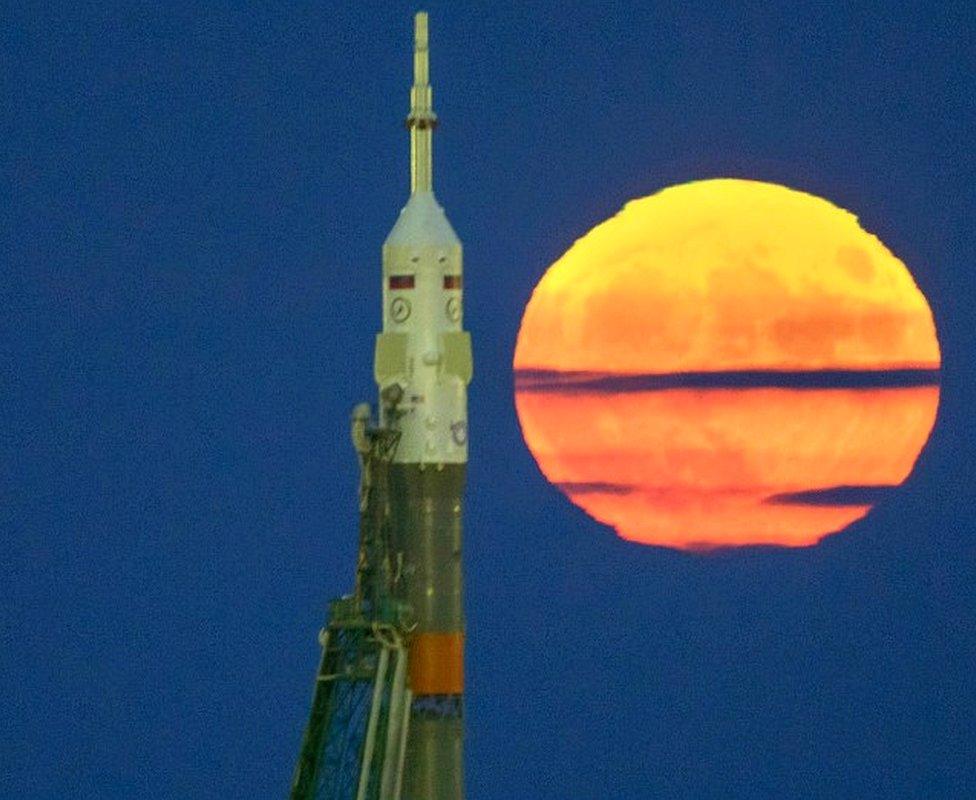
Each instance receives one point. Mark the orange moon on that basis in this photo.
(726, 363)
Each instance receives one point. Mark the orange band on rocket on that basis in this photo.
(437, 663)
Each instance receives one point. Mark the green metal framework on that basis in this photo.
(355, 741)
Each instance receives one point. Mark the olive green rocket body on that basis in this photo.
(423, 362)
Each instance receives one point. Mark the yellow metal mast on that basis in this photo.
(422, 119)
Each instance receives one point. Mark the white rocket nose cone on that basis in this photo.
(422, 222)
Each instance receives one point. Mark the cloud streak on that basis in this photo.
(596, 487)
(835, 496)
(557, 382)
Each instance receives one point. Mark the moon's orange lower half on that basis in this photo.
(727, 363)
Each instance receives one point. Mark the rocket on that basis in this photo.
(386, 721)
(422, 366)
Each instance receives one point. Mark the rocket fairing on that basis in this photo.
(423, 365)
(423, 348)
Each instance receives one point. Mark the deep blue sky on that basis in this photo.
(194, 198)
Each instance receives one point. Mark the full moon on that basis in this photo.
(726, 363)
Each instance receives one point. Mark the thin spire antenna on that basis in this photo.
(422, 119)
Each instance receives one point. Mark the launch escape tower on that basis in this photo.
(386, 719)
